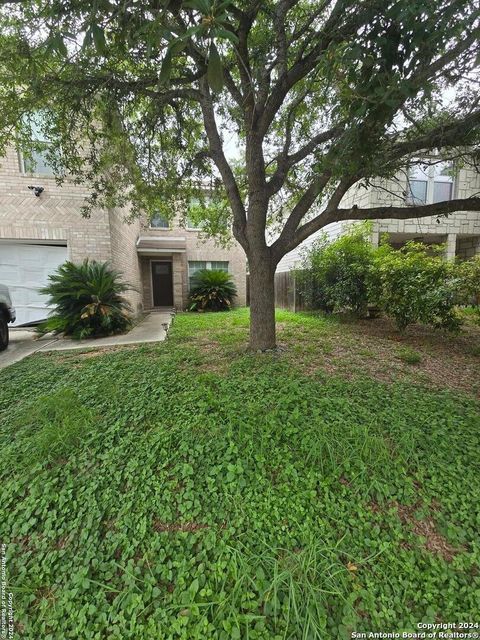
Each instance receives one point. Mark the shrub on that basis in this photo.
(415, 284)
(334, 275)
(468, 274)
(87, 300)
(211, 290)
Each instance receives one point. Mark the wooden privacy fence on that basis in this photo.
(287, 295)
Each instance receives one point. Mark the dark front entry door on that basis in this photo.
(162, 284)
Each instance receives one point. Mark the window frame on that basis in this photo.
(208, 267)
(198, 226)
(37, 137)
(429, 171)
(150, 226)
(22, 162)
(188, 227)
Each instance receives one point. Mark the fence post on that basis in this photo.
(294, 293)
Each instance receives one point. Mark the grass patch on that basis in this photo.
(268, 498)
(47, 430)
(409, 356)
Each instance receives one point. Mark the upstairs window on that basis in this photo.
(36, 163)
(428, 184)
(159, 222)
(37, 160)
(442, 181)
(193, 221)
(417, 186)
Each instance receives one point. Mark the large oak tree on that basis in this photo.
(138, 97)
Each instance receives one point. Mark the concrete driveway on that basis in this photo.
(25, 342)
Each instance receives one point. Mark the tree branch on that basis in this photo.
(303, 66)
(441, 136)
(246, 20)
(311, 18)
(232, 87)
(405, 213)
(444, 135)
(427, 72)
(286, 161)
(144, 85)
(293, 240)
(280, 12)
(218, 156)
(383, 213)
(281, 245)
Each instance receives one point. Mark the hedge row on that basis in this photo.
(411, 284)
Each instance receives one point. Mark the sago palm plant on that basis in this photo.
(87, 300)
(212, 290)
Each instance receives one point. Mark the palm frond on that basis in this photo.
(87, 300)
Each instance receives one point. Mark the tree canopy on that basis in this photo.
(138, 99)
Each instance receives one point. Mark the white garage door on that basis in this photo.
(24, 268)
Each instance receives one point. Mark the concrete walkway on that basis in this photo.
(153, 328)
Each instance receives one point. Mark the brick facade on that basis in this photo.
(197, 248)
(124, 258)
(55, 218)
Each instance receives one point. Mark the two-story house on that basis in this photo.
(41, 227)
(426, 183)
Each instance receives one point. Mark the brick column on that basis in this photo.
(178, 298)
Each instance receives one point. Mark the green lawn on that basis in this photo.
(192, 490)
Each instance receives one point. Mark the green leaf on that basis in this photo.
(57, 44)
(194, 587)
(177, 46)
(87, 41)
(99, 41)
(203, 6)
(198, 29)
(224, 6)
(166, 69)
(215, 70)
(225, 34)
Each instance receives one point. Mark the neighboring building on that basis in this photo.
(38, 233)
(424, 185)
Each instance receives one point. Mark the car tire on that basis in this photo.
(3, 332)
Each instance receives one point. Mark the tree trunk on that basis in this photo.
(262, 304)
